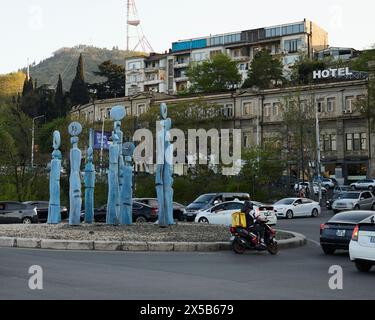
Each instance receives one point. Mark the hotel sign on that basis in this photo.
(332, 73)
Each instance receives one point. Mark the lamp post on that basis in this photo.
(33, 139)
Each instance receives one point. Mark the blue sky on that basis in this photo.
(36, 28)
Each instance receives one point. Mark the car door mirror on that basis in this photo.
(362, 198)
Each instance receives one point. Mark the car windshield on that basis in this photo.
(337, 196)
(350, 195)
(285, 202)
(204, 199)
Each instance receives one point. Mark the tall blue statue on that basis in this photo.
(126, 206)
(89, 182)
(164, 170)
(54, 211)
(75, 129)
(113, 206)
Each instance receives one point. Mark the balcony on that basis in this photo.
(182, 64)
(241, 58)
(152, 82)
(181, 79)
(154, 69)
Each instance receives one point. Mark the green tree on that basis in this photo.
(114, 86)
(78, 92)
(302, 70)
(265, 71)
(361, 63)
(216, 75)
(59, 99)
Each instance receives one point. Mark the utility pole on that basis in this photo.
(318, 152)
(33, 139)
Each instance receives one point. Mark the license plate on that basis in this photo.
(341, 233)
(190, 214)
(372, 239)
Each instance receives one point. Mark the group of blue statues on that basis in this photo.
(120, 175)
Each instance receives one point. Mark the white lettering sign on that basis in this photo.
(331, 73)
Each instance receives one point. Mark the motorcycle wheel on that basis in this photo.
(273, 249)
(237, 248)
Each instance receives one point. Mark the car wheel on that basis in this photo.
(27, 221)
(203, 220)
(357, 207)
(289, 214)
(315, 213)
(328, 251)
(363, 266)
(371, 188)
(140, 219)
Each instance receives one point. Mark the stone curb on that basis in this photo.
(7, 242)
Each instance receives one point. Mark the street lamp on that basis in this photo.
(33, 139)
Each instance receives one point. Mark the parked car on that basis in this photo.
(368, 184)
(362, 246)
(221, 214)
(337, 232)
(142, 213)
(341, 189)
(178, 209)
(42, 210)
(325, 182)
(354, 200)
(307, 186)
(17, 212)
(297, 207)
(207, 201)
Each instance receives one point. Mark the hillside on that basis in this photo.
(64, 61)
(11, 84)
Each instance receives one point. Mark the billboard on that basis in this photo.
(99, 138)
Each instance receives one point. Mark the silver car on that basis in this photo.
(354, 201)
(368, 184)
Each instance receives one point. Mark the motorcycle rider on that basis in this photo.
(252, 220)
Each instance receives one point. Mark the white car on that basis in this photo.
(362, 246)
(364, 185)
(221, 214)
(307, 187)
(297, 207)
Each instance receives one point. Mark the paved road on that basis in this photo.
(300, 273)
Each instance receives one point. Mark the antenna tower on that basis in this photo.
(135, 38)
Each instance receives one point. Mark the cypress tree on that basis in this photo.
(79, 93)
(59, 98)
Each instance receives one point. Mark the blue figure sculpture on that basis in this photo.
(113, 206)
(54, 211)
(164, 171)
(126, 208)
(75, 129)
(89, 182)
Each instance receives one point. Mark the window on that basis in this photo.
(329, 142)
(134, 65)
(275, 109)
(247, 108)
(199, 56)
(228, 111)
(244, 66)
(246, 140)
(267, 110)
(292, 45)
(141, 109)
(331, 105)
(333, 142)
(108, 113)
(356, 141)
(214, 53)
(349, 104)
(320, 105)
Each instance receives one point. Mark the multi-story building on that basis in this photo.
(167, 73)
(337, 53)
(284, 41)
(346, 141)
(146, 73)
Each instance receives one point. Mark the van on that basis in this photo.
(207, 201)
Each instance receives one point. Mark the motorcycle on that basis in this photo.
(243, 239)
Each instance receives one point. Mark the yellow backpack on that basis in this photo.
(239, 220)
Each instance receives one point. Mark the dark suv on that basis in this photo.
(16, 212)
(42, 210)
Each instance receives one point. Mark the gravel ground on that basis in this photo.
(182, 232)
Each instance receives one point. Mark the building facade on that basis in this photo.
(347, 146)
(169, 75)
